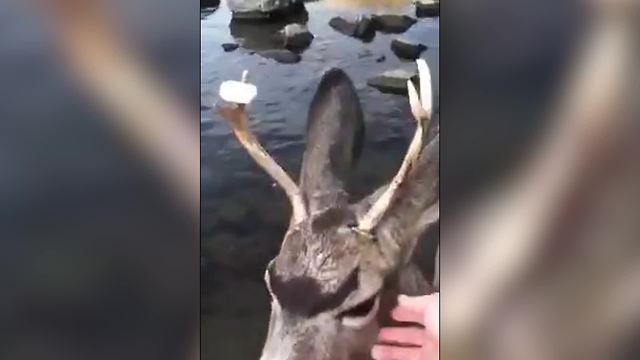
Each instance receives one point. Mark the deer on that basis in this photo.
(340, 263)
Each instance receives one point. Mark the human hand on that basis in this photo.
(411, 343)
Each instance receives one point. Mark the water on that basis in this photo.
(243, 216)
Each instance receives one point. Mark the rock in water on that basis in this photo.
(395, 24)
(343, 26)
(296, 37)
(263, 9)
(263, 35)
(229, 47)
(426, 8)
(381, 59)
(209, 3)
(407, 50)
(363, 28)
(393, 81)
(281, 56)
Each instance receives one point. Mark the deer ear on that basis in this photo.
(334, 137)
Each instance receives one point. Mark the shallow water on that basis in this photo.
(243, 216)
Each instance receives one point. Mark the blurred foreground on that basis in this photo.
(543, 261)
(99, 249)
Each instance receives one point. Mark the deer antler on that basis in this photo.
(421, 109)
(236, 116)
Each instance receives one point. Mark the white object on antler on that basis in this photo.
(238, 92)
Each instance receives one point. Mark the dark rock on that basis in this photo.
(281, 56)
(363, 28)
(206, 12)
(427, 9)
(395, 24)
(263, 35)
(393, 81)
(407, 50)
(209, 3)
(381, 59)
(229, 47)
(343, 26)
(296, 37)
(264, 9)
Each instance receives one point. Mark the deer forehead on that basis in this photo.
(329, 261)
(323, 248)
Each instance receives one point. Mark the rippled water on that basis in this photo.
(243, 215)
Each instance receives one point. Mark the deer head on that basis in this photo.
(336, 258)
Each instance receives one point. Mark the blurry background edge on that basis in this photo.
(99, 179)
(539, 126)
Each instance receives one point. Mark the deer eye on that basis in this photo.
(361, 314)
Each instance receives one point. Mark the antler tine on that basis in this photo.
(236, 116)
(422, 114)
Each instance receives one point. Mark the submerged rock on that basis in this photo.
(426, 8)
(394, 24)
(381, 59)
(281, 56)
(296, 37)
(363, 28)
(364, 53)
(393, 81)
(227, 47)
(407, 50)
(263, 9)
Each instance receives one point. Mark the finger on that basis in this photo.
(414, 303)
(406, 335)
(428, 306)
(388, 352)
(405, 315)
(432, 315)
